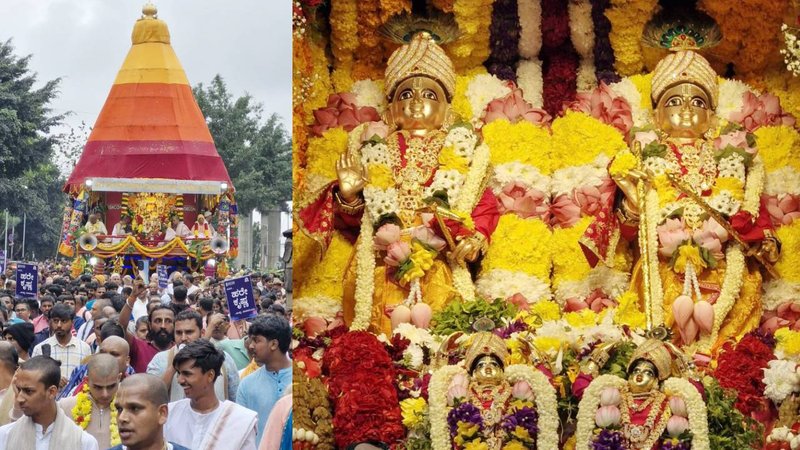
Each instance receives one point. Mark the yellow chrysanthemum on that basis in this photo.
(688, 253)
(380, 176)
(323, 278)
(581, 319)
(547, 344)
(779, 147)
(643, 84)
(505, 252)
(623, 163)
(521, 433)
(788, 342)
(476, 444)
(579, 139)
(449, 160)
(666, 192)
(323, 152)
(733, 185)
(547, 310)
(628, 312)
(788, 266)
(521, 142)
(461, 104)
(413, 410)
(514, 445)
(569, 262)
(515, 355)
(467, 429)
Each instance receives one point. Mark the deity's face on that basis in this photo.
(684, 111)
(643, 377)
(419, 104)
(487, 370)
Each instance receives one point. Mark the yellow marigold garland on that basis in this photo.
(578, 139)
(323, 152)
(788, 266)
(507, 253)
(472, 48)
(569, 262)
(344, 31)
(82, 414)
(522, 142)
(628, 312)
(628, 18)
(780, 145)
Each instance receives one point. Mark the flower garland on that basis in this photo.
(546, 402)
(587, 409)
(628, 18)
(529, 68)
(472, 48)
(82, 414)
(437, 398)
(781, 380)
(603, 53)
(504, 34)
(368, 55)
(561, 60)
(344, 33)
(696, 407)
(583, 39)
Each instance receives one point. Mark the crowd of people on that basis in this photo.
(110, 362)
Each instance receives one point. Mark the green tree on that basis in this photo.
(257, 152)
(29, 182)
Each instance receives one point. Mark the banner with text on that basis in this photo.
(163, 278)
(241, 303)
(27, 280)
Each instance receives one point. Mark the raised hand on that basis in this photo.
(352, 177)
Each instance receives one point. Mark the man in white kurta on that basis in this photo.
(177, 229)
(201, 421)
(122, 228)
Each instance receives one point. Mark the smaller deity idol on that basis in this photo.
(637, 414)
(493, 406)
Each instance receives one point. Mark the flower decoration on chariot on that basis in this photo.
(656, 352)
(683, 34)
(420, 53)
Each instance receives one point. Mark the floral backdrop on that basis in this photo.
(554, 87)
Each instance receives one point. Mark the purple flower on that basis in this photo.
(514, 327)
(504, 40)
(526, 418)
(609, 440)
(465, 412)
(671, 444)
(603, 52)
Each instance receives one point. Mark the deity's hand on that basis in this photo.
(467, 250)
(769, 248)
(352, 177)
(628, 186)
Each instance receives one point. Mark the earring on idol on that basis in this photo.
(449, 119)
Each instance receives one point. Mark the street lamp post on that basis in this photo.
(24, 223)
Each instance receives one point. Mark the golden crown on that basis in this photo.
(486, 343)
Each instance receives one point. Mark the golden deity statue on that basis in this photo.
(412, 190)
(637, 411)
(692, 186)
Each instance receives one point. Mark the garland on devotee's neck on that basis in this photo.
(82, 414)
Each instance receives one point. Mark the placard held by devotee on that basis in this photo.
(27, 280)
(163, 278)
(241, 302)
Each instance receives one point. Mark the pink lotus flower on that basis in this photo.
(513, 107)
(761, 111)
(670, 235)
(599, 301)
(645, 137)
(459, 380)
(397, 253)
(386, 235)
(783, 210)
(566, 212)
(520, 301)
(522, 390)
(575, 304)
(455, 391)
(525, 202)
(373, 129)
(342, 111)
(711, 236)
(677, 425)
(678, 406)
(604, 105)
(736, 139)
(610, 396)
(592, 199)
(429, 238)
(607, 416)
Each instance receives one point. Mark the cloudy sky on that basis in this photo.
(84, 42)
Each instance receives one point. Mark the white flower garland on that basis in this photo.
(365, 270)
(731, 285)
(380, 201)
(529, 79)
(482, 89)
(519, 172)
(731, 97)
(781, 380)
(587, 408)
(627, 89)
(566, 180)
(502, 283)
(530, 33)
(546, 403)
(698, 416)
(369, 93)
(654, 278)
(582, 34)
(316, 306)
(611, 281)
(785, 180)
(778, 291)
(437, 401)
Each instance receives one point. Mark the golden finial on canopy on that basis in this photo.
(149, 11)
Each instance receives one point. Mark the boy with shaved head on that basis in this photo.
(141, 405)
(36, 383)
(103, 380)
